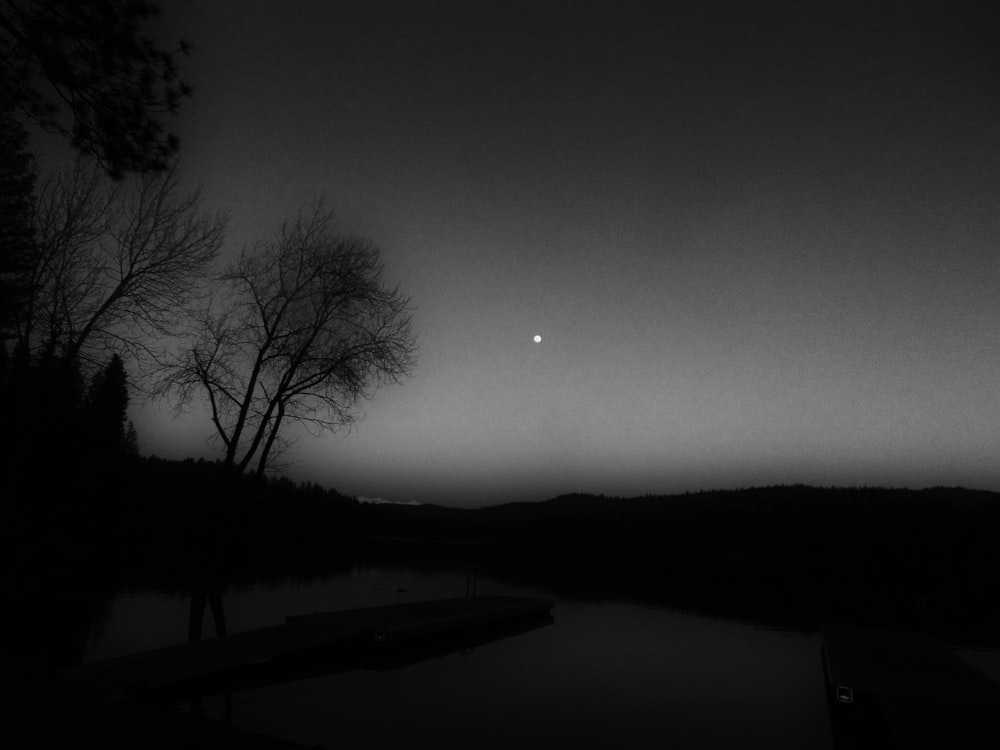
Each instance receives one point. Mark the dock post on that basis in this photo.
(471, 582)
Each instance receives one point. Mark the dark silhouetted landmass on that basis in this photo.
(794, 555)
(786, 555)
(791, 556)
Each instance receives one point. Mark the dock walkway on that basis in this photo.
(99, 706)
(347, 632)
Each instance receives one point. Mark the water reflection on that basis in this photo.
(209, 590)
(212, 594)
(605, 674)
(47, 632)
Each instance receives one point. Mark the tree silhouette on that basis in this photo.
(105, 409)
(43, 420)
(91, 58)
(116, 264)
(17, 206)
(302, 329)
(130, 444)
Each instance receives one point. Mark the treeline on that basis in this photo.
(791, 555)
(92, 271)
(777, 523)
(62, 432)
(787, 555)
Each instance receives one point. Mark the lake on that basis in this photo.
(602, 673)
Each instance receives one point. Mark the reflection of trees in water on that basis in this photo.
(208, 591)
(100, 609)
(78, 622)
(46, 632)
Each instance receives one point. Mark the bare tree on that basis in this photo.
(301, 330)
(116, 263)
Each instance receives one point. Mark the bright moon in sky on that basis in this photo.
(538, 339)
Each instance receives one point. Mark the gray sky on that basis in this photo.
(758, 240)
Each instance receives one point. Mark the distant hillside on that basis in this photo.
(901, 558)
(770, 522)
(784, 554)
(838, 528)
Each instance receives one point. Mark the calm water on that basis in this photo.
(611, 674)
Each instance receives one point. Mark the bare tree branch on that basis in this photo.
(117, 264)
(304, 330)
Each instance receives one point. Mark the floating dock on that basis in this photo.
(341, 639)
(399, 624)
(110, 703)
(900, 689)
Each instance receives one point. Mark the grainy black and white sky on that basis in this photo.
(759, 240)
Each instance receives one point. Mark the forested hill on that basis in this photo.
(154, 497)
(791, 555)
(784, 554)
(768, 521)
(780, 522)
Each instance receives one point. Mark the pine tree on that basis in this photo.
(90, 71)
(131, 445)
(106, 408)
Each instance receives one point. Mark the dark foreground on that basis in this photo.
(374, 637)
(901, 689)
(926, 562)
(126, 702)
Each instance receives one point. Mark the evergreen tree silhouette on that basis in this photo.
(105, 409)
(87, 70)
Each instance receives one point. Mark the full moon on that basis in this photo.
(538, 339)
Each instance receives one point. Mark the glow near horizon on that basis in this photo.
(755, 260)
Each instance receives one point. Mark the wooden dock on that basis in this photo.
(399, 624)
(900, 689)
(341, 639)
(99, 705)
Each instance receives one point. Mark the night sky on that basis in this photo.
(758, 239)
